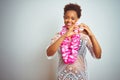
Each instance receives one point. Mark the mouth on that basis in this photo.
(69, 24)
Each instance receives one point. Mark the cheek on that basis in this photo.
(74, 21)
(65, 21)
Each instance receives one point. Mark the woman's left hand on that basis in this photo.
(86, 29)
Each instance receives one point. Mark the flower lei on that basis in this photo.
(69, 47)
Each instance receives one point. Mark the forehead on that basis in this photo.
(71, 13)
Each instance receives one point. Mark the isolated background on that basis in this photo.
(27, 26)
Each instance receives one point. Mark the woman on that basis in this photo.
(71, 43)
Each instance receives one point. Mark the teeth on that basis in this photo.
(69, 24)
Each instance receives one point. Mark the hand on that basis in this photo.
(85, 29)
(70, 30)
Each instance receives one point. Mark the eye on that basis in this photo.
(73, 18)
(65, 17)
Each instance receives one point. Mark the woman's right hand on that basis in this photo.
(70, 30)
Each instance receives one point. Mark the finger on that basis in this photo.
(83, 25)
(81, 28)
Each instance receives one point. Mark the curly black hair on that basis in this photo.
(75, 7)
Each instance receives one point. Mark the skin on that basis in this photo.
(70, 18)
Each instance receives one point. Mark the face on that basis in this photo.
(70, 18)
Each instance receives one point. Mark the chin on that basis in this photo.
(68, 25)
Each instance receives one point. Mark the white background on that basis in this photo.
(27, 26)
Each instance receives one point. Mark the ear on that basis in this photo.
(63, 16)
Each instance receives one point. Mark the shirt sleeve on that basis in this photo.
(55, 38)
(90, 47)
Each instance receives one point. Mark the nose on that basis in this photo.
(69, 20)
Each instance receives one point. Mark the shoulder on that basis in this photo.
(84, 36)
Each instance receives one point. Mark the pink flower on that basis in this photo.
(69, 47)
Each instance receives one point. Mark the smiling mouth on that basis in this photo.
(69, 24)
